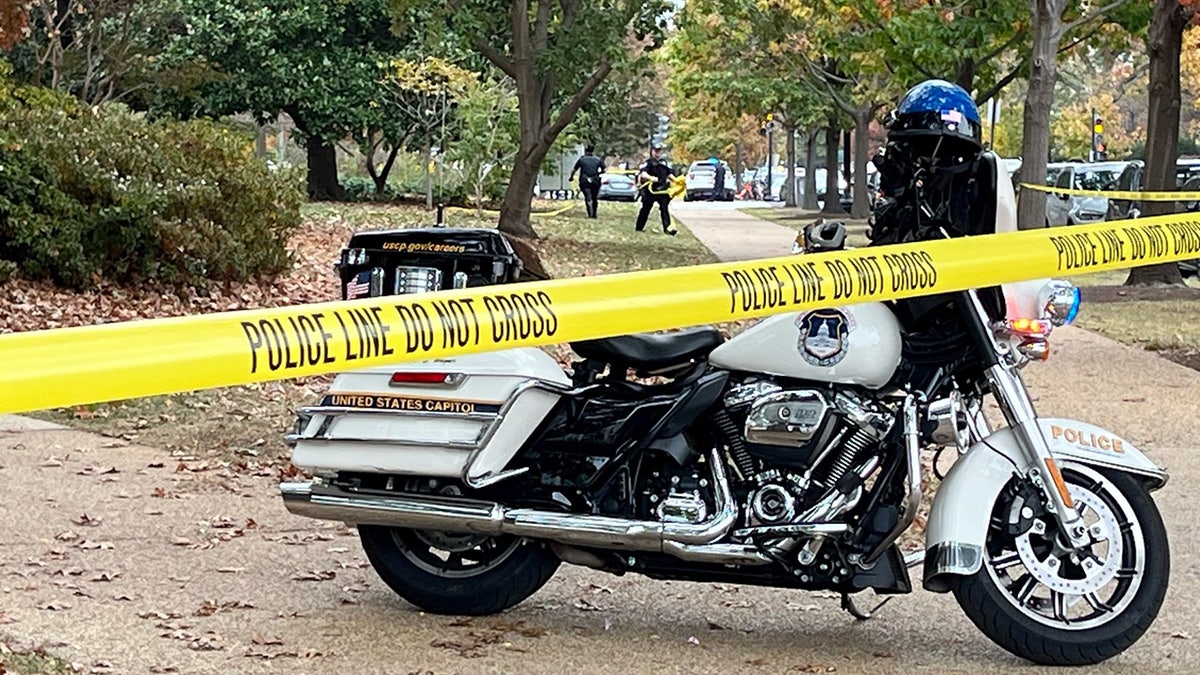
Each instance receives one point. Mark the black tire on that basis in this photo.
(991, 608)
(523, 567)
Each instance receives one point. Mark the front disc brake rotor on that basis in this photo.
(1053, 566)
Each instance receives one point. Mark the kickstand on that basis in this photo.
(849, 606)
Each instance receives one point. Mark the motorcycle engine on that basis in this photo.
(806, 440)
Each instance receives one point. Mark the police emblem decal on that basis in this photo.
(824, 336)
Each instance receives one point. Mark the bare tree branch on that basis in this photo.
(570, 8)
(823, 76)
(1017, 37)
(999, 85)
(497, 59)
(568, 112)
(1092, 16)
(1080, 40)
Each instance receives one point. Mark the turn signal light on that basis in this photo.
(1030, 326)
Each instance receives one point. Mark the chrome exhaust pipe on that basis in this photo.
(689, 541)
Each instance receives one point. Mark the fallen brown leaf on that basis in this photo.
(315, 575)
(161, 616)
(89, 545)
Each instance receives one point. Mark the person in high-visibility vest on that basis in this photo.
(654, 177)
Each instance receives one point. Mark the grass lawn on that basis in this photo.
(1157, 325)
(19, 660)
(244, 425)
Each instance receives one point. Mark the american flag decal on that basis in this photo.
(360, 286)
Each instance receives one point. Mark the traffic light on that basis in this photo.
(768, 126)
(1099, 147)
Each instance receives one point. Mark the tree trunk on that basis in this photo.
(518, 198)
(737, 167)
(833, 201)
(789, 198)
(260, 140)
(964, 75)
(861, 208)
(1035, 143)
(1162, 132)
(427, 166)
(380, 176)
(322, 170)
(809, 203)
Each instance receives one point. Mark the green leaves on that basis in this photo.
(91, 192)
(320, 61)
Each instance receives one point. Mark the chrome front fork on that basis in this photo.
(1040, 467)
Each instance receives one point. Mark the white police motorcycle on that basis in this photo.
(787, 456)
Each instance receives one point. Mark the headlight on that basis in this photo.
(1060, 301)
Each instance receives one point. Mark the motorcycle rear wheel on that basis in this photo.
(452, 573)
(1034, 600)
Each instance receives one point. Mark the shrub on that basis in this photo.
(359, 189)
(90, 193)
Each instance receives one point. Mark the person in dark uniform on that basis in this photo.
(655, 178)
(718, 193)
(589, 167)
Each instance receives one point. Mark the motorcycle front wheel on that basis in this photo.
(1043, 602)
(453, 573)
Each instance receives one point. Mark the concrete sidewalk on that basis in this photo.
(732, 235)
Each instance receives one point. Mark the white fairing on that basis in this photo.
(460, 443)
(864, 349)
(962, 508)
(1023, 299)
(1006, 198)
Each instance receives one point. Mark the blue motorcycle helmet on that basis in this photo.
(938, 109)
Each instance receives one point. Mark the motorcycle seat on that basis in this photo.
(651, 351)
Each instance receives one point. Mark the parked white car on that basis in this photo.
(1064, 209)
(700, 182)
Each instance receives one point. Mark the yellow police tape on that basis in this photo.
(1119, 194)
(543, 214)
(71, 366)
(675, 188)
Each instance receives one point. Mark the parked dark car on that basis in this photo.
(416, 260)
(1187, 177)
